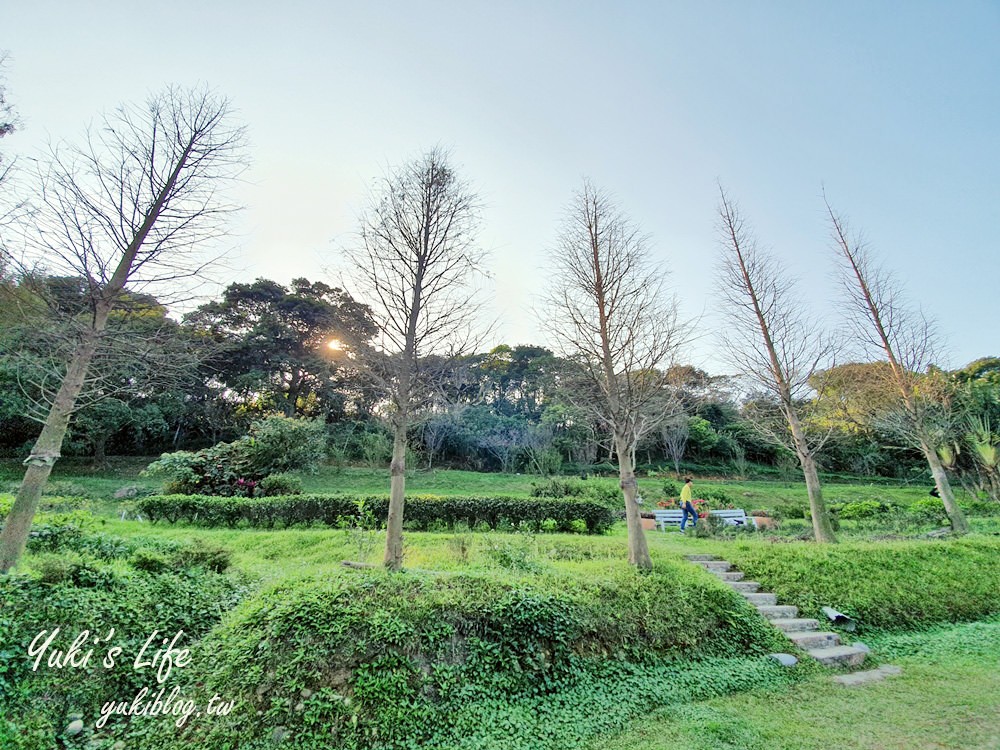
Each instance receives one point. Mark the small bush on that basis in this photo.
(73, 569)
(790, 511)
(202, 555)
(860, 509)
(558, 488)
(150, 561)
(929, 510)
(280, 484)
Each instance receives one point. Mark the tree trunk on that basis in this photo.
(397, 497)
(45, 453)
(959, 524)
(638, 551)
(822, 527)
(100, 450)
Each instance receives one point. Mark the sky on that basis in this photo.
(891, 108)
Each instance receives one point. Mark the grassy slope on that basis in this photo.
(947, 697)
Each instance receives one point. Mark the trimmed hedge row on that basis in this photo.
(422, 511)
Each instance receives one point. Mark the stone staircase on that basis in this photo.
(825, 647)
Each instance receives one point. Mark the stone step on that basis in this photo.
(838, 656)
(777, 611)
(806, 639)
(714, 565)
(758, 599)
(700, 558)
(793, 624)
(744, 587)
(872, 675)
(729, 575)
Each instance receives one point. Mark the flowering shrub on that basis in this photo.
(275, 444)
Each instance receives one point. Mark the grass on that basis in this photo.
(946, 697)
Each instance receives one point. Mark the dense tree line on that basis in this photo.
(263, 348)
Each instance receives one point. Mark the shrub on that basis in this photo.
(789, 511)
(203, 555)
(150, 561)
(558, 488)
(274, 445)
(860, 509)
(929, 510)
(421, 511)
(280, 484)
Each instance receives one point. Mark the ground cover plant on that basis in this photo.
(945, 697)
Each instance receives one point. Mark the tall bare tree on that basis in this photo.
(608, 312)
(415, 266)
(133, 206)
(885, 324)
(772, 342)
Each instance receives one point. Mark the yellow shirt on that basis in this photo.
(686, 493)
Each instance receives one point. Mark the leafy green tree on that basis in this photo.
(276, 346)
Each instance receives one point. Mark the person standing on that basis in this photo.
(687, 507)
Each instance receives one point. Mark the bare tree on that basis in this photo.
(133, 206)
(675, 433)
(415, 266)
(771, 341)
(884, 323)
(608, 313)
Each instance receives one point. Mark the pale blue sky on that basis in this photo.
(892, 106)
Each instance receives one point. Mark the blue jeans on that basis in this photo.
(686, 509)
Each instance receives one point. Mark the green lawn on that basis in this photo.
(948, 696)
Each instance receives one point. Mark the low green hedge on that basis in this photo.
(422, 512)
(887, 584)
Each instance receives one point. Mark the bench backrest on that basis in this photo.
(674, 515)
(740, 513)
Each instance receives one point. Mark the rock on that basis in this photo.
(785, 660)
(75, 727)
(872, 675)
(279, 734)
(861, 647)
(129, 491)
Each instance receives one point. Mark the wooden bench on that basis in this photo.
(672, 517)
